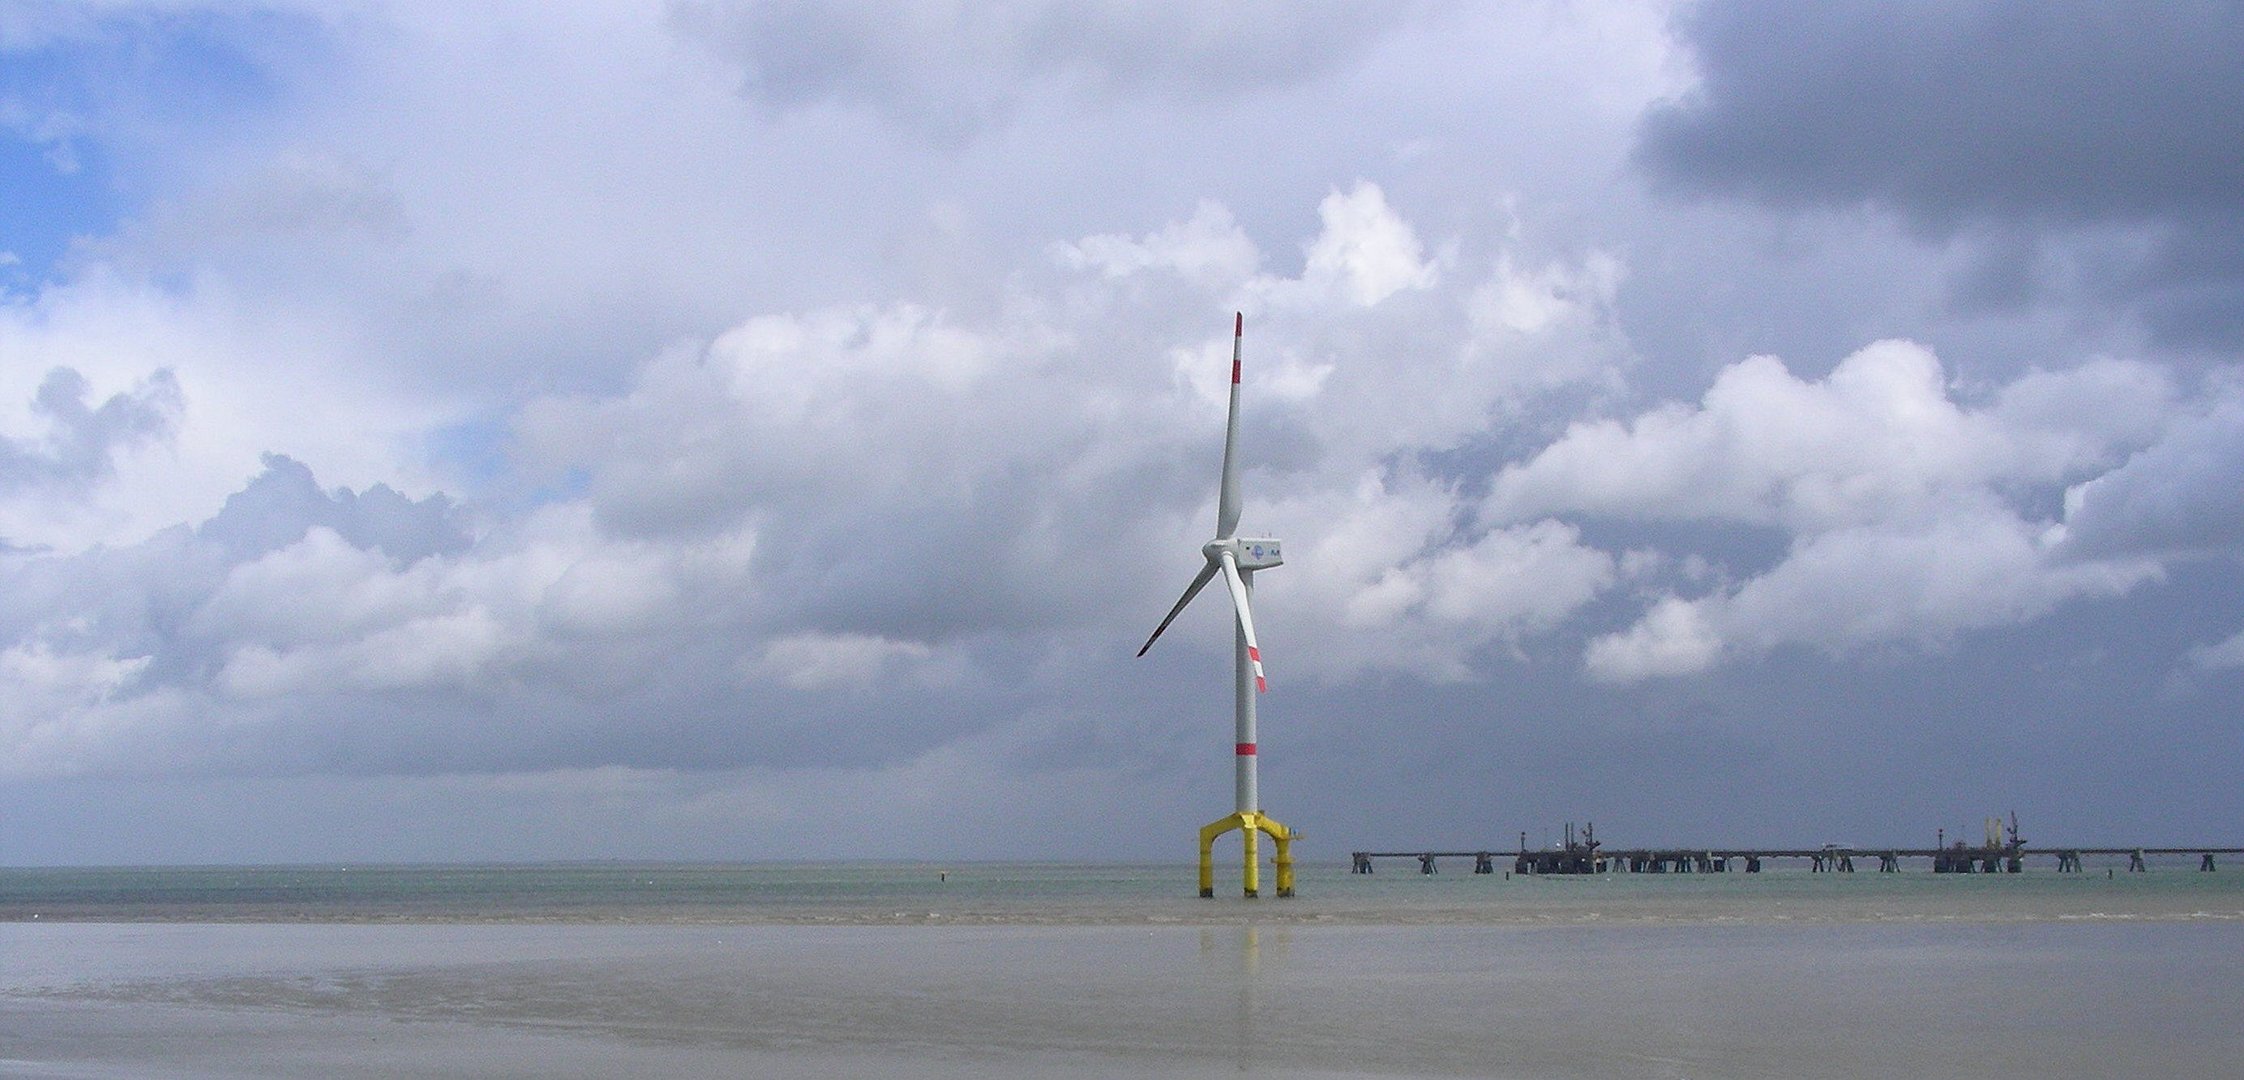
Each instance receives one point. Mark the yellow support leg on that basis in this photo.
(1208, 834)
(1284, 838)
(1250, 855)
(1250, 873)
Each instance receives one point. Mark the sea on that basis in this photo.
(1005, 970)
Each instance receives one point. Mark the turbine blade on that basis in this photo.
(1227, 496)
(1207, 574)
(1246, 619)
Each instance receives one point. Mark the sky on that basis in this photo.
(753, 429)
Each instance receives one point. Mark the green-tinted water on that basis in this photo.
(1035, 893)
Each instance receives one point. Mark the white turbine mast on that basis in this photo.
(1237, 558)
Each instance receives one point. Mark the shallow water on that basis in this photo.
(1042, 972)
(1067, 894)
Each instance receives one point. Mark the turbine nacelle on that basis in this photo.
(1247, 552)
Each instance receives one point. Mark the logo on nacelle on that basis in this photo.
(1258, 554)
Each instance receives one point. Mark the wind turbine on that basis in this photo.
(1236, 558)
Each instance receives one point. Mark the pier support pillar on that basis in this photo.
(1484, 863)
(2135, 864)
(1753, 864)
(1426, 864)
(1889, 863)
(1250, 826)
(2206, 862)
(1360, 863)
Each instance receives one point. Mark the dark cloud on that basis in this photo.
(81, 442)
(2005, 108)
(282, 503)
(951, 67)
(1984, 118)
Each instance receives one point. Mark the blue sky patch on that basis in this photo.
(68, 108)
(43, 205)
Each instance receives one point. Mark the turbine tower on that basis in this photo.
(1237, 558)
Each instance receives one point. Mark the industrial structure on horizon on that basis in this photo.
(2002, 850)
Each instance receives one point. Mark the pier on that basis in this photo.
(1585, 854)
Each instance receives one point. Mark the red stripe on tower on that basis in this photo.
(1246, 749)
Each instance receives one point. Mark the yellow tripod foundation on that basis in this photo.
(1249, 823)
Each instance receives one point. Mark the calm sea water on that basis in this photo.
(1051, 893)
(922, 971)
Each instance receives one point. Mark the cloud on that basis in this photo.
(2027, 125)
(133, 649)
(1860, 587)
(2177, 496)
(2224, 655)
(1366, 252)
(297, 200)
(82, 442)
(621, 427)
(1209, 249)
(1902, 506)
(951, 67)
(2003, 108)
(819, 661)
(282, 503)
(1673, 638)
(1879, 439)
(1393, 580)
(759, 531)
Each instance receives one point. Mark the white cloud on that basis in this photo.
(39, 678)
(1879, 439)
(822, 661)
(1366, 254)
(1532, 301)
(1896, 499)
(1673, 638)
(1390, 582)
(248, 379)
(1208, 249)
(1863, 586)
(2178, 495)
